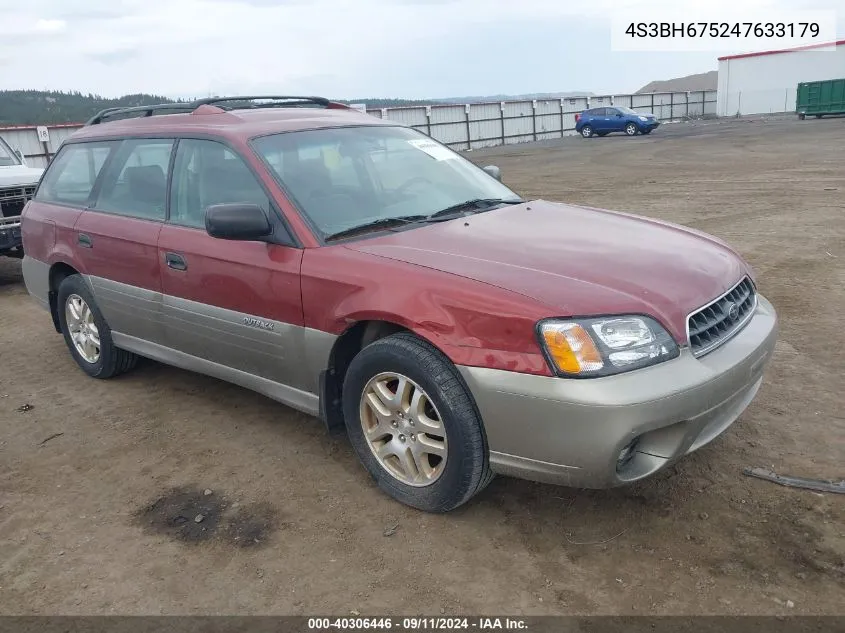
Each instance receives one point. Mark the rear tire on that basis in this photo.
(408, 396)
(801, 117)
(587, 131)
(631, 129)
(86, 332)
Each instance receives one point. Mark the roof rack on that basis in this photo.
(148, 110)
(277, 101)
(236, 103)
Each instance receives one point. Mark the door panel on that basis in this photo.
(615, 123)
(234, 303)
(117, 237)
(121, 265)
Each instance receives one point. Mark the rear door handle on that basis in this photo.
(176, 262)
(84, 241)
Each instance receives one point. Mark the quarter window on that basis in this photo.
(208, 173)
(71, 175)
(135, 183)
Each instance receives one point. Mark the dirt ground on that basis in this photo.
(101, 519)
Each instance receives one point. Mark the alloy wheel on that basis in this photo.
(403, 429)
(83, 330)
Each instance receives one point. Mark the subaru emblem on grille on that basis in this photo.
(732, 310)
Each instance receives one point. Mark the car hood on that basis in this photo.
(578, 261)
(19, 175)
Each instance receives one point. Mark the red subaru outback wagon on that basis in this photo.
(359, 271)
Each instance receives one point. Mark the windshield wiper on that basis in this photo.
(376, 225)
(476, 204)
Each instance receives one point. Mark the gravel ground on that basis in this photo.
(278, 518)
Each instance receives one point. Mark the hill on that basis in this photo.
(43, 107)
(701, 81)
(520, 97)
(30, 107)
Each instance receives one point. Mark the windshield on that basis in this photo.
(347, 177)
(625, 110)
(7, 157)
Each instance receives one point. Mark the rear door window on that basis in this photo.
(135, 183)
(71, 175)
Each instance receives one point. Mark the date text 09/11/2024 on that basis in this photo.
(417, 623)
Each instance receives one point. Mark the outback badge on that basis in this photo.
(258, 323)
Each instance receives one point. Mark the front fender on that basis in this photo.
(471, 322)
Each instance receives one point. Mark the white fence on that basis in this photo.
(475, 125)
(461, 126)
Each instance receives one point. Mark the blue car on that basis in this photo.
(603, 121)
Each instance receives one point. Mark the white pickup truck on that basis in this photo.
(17, 184)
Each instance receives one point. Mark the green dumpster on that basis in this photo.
(818, 98)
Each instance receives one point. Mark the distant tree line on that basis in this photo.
(43, 107)
(391, 103)
(46, 107)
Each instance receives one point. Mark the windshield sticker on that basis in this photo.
(436, 151)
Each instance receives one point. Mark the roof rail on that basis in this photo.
(237, 103)
(148, 110)
(278, 101)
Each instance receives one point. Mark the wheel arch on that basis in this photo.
(59, 271)
(352, 340)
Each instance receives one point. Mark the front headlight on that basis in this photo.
(603, 346)
(643, 118)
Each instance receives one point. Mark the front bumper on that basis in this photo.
(571, 432)
(10, 234)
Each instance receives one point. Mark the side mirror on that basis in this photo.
(239, 221)
(19, 154)
(494, 171)
(619, 114)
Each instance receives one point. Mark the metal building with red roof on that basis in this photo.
(766, 81)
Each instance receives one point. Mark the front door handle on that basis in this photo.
(84, 241)
(176, 262)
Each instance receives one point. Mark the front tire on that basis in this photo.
(631, 129)
(414, 424)
(587, 131)
(86, 332)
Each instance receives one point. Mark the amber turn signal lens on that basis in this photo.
(571, 348)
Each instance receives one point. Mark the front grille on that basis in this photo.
(13, 199)
(717, 322)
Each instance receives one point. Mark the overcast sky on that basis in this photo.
(340, 48)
